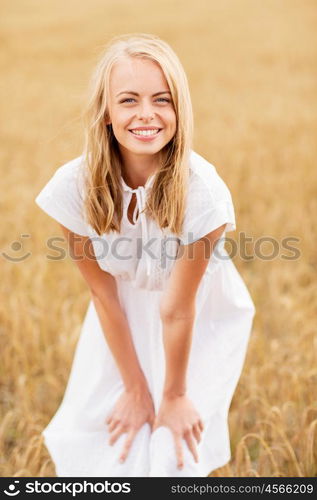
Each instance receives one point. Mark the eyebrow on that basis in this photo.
(135, 93)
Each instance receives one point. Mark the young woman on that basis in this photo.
(166, 331)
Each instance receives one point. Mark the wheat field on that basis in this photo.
(251, 66)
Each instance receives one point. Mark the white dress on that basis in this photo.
(77, 437)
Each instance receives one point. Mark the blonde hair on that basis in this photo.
(167, 197)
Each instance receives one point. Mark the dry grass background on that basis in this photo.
(252, 71)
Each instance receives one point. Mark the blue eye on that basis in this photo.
(129, 100)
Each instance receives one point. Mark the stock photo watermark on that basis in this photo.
(123, 248)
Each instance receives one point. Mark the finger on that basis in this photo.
(127, 446)
(108, 419)
(191, 445)
(201, 425)
(113, 425)
(152, 423)
(115, 434)
(196, 432)
(155, 424)
(179, 452)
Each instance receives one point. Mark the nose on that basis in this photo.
(145, 111)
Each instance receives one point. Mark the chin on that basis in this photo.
(150, 149)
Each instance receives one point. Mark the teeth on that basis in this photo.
(145, 132)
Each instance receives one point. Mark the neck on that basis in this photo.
(136, 169)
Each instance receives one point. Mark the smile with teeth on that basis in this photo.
(146, 132)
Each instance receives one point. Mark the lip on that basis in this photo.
(145, 138)
(145, 128)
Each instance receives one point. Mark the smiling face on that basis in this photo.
(140, 107)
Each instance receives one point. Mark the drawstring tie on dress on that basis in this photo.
(141, 194)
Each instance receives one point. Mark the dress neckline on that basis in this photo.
(147, 185)
(141, 193)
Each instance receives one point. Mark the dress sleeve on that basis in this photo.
(208, 207)
(62, 198)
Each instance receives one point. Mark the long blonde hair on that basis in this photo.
(103, 190)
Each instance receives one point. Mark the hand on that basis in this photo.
(132, 410)
(179, 415)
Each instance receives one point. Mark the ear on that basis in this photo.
(107, 118)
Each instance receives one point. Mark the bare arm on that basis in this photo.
(134, 406)
(178, 309)
(114, 323)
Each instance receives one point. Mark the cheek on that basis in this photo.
(171, 119)
(121, 119)
(119, 130)
(172, 126)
